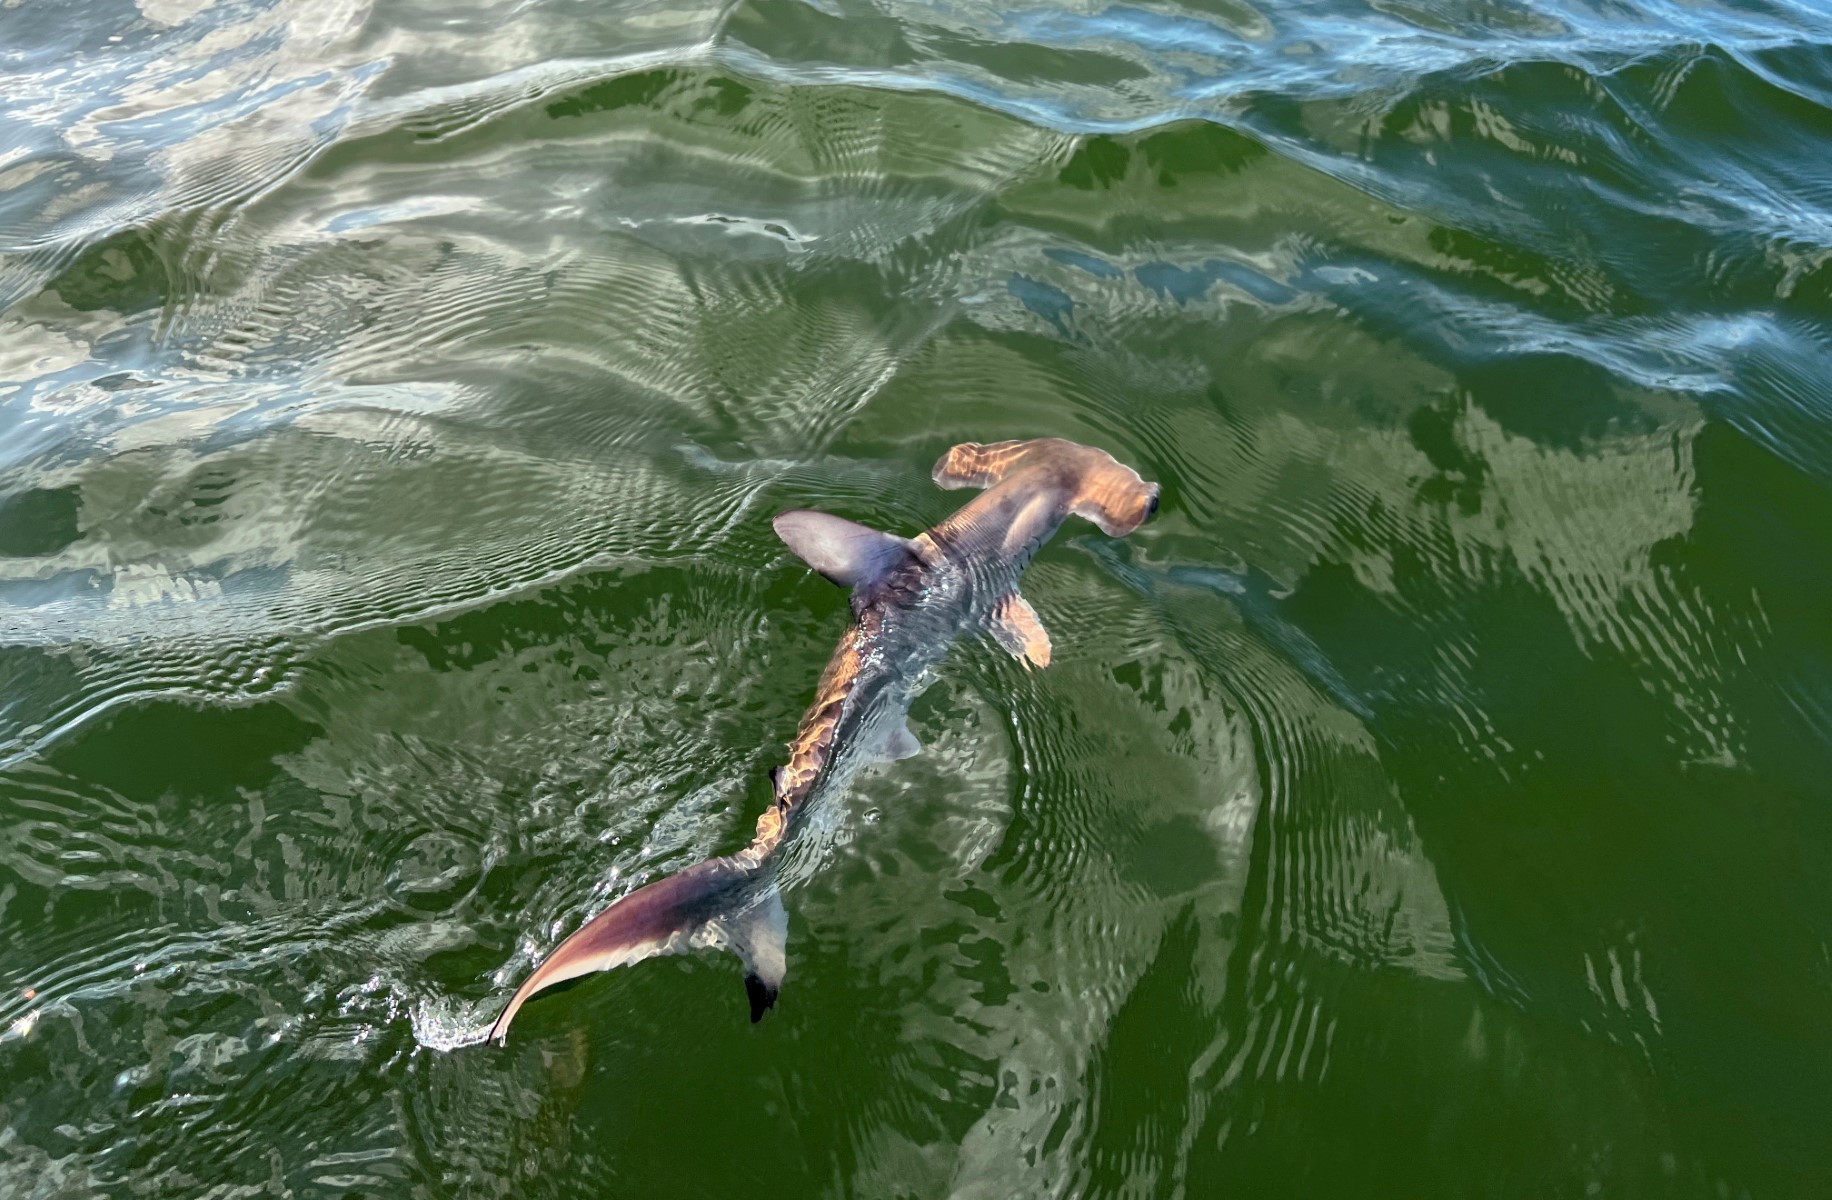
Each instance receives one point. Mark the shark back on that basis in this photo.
(910, 598)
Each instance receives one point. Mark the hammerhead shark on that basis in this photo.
(911, 598)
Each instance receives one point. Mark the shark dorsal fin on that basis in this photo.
(844, 551)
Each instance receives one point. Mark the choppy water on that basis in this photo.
(1433, 801)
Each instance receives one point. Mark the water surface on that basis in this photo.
(1431, 802)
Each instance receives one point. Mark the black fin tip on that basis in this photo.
(762, 996)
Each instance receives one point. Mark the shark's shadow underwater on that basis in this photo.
(911, 597)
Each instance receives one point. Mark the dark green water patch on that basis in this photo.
(1428, 802)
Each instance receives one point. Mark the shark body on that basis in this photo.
(911, 599)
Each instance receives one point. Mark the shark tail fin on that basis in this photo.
(760, 936)
(1100, 488)
(725, 902)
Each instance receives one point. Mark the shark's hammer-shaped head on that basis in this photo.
(1091, 483)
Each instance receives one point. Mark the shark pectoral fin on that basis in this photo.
(844, 551)
(760, 937)
(1014, 625)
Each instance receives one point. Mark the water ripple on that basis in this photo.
(391, 400)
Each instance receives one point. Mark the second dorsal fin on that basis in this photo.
(844, 551)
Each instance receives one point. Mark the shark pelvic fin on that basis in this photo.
(1014, 625)
(844, 551)
(760, 937)
(901, 744)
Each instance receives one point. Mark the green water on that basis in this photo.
(1431, 802)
